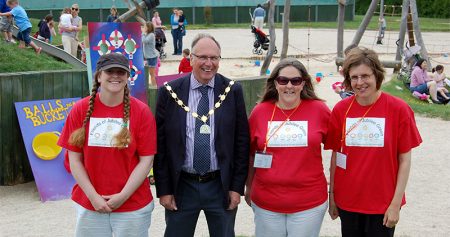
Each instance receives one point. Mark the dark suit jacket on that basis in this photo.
(232, 139)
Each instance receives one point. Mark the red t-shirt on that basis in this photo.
(295, 182)
(367, 185)
(185, 66)
(109, 168)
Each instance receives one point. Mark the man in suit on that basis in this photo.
(203, 145)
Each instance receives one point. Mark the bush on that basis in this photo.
(207, 12)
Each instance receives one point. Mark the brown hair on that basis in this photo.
(437, 68)
(270, 92)
(150, 27)
(359, 56)
(123, 138)
(66, 10)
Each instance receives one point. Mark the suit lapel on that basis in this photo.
(183, 94)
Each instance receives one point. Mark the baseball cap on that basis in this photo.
(113, 60)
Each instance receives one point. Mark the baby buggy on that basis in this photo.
(160, 42)
(261, 41)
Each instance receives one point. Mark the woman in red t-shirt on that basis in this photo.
(111, 139)
(286, 186)
(371, 135)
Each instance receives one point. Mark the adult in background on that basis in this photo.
(174, 31)
(111, 139)
(113, 14)
(258, 16)
(70, 36)
(286, 186)
(6, 23)
(422, 83)
(371, 135)
(150, 53)
(203, 145)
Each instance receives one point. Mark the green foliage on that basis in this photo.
(14, 59)
(419, 106)
(426, 8)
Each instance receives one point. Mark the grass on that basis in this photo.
(419, 107)
(14, 59)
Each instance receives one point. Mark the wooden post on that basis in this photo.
(417, 32)
(401, 34)
(130, 13)
(269, 55)
(286, 16)
(340, 35)
(365, 22)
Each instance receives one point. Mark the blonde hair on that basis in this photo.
(123, 138)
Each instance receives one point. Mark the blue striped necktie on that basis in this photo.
(202, 147)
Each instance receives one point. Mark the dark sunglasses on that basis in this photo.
(295, 81)
(75, 9)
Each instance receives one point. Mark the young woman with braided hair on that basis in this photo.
(111, 139)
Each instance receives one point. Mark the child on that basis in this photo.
(46, 29)
(181, 21)
(24, 24)
(439, 77)
(6, 23)
(65, 20)
(185, 63)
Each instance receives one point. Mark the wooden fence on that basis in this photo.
(28, 86)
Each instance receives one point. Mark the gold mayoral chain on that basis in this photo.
(205, 128)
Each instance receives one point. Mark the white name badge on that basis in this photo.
(291, 134)
(341, 160)
(262, 160)
(103, 130)
(369, 132)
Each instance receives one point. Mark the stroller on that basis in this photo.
(160, 42)
(261, 41)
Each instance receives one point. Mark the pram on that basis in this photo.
(160, 42)
(261, 41)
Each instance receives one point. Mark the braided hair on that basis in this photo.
(123, 138)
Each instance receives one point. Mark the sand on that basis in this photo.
(428, 193)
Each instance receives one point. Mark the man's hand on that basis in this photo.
(235, 199)
(168, 202)
(391, 216)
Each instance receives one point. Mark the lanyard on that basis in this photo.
(268, 125)
(344, 134)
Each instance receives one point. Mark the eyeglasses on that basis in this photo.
(204, 58)
(295, 81)
(118, 72)
(363, 77)
(75, 9)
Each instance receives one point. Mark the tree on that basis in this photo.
(286, 16)
(269, 55)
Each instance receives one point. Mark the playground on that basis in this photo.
(425, 214)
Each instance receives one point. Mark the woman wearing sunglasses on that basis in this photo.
(286, 186)
(371, 135)
(70, 36)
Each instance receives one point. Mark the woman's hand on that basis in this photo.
(391, 216)
(100, 204)
(248, 200)
(332, 208)
(114, 201)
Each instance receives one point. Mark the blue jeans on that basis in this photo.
(25, 36)
(151, 62)
(177, 36)
(422, 88)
